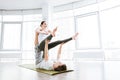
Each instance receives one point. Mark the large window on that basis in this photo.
(110, 25)
(87, 26)
(66, 29)
(12, 36)
(17, 33)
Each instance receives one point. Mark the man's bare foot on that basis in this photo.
(74, 37)
(53, 33)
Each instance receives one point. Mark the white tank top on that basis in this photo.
(41, 37)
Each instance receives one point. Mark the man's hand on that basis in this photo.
(61, 44)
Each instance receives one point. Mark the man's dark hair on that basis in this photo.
(42, 23)
(61, 68)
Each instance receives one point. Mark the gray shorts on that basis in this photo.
(37, 50)
(38, 55)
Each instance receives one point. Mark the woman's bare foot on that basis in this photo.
(74, 37)
(53, 33)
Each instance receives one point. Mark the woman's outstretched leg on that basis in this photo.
(53, 44)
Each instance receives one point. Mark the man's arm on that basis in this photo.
(46, 50)
(59, 52)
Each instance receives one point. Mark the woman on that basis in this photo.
(41, 33)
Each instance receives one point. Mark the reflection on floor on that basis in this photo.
(83, 70)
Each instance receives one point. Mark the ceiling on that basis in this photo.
(30, 4)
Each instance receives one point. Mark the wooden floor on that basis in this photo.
(86, 70)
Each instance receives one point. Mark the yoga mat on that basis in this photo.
(50, 72)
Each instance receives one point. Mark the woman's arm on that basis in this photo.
(36, 38)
